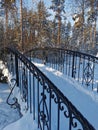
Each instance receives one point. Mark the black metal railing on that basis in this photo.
(80, 66)
(49, 106)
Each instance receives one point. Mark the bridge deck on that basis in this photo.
(7, 114)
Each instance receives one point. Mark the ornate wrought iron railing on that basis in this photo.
(49, 106)
(82, 67)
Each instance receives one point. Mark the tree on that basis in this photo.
(43, 25)
(65, 34)
(58, 8)
(92, 19)
(1, 33)
(7, 5)
(85, 22)
(54, 32)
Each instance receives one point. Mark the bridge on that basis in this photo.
(40, 94)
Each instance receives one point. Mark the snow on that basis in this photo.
(97, 54)
(7, 114)
(25, 123)
(83, 99)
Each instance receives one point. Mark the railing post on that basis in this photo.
(73, 60)
(11, 65)
(16, 68)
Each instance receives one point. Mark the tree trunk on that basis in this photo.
(21, 25)
(59, 29)
(6, 28)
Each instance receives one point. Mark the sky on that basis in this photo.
(83, 99)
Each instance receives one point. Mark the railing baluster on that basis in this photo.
(79, 63)
(66, 63)
(33, 97)
(83, 71)
(16, 66)
(75, 68)
(58, 114)
(70, 119)
(93, 73)
(27, 86)
(20, 76)
(38, 101)
(69, 63)
(50, 109)
(73, 64)
(43, 109)
(30, 91)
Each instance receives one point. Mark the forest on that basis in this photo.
(57, 23)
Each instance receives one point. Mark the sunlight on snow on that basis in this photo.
(1, 100)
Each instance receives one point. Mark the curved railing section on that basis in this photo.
(80, 66)
(49, 106)
(14, 100)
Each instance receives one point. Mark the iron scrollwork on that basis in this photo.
(88, 73)
(75, 123)
(43, 112)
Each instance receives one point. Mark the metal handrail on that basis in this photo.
(58, 49)
(38, 90)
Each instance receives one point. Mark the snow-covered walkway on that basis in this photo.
(84, 100)
(7, 114)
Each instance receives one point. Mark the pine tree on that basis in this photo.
(43, 30)
(8, 5)
(58, 8)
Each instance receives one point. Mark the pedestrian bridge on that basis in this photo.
(38, 92)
